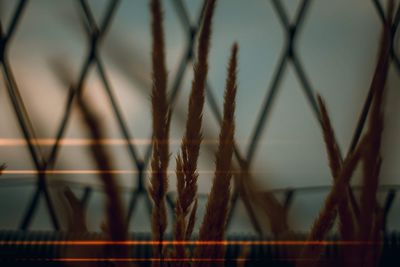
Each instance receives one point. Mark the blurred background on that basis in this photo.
(335, 48)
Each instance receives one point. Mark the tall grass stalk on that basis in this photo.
(346, 219)
(116, 224)
(371, 157)
(369, 152)
(161, 122)
(214, 221)
(186, 162)
(324, 222)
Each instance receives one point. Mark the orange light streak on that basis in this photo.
(139, 259)
(89, 141)
(189, 242)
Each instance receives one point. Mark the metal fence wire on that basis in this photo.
(93, 60)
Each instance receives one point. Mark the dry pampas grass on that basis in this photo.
(213, 225)
(369, 229)
(161, 122)
(347, 223)
(115, 226)
(371, 214)
(325, 219)
(186, 162)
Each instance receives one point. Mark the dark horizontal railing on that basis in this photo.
(19, 248)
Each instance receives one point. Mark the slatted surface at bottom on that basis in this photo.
(19, 248)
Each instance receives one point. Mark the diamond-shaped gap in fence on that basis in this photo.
(44, 98)
(24, 121)
(255, 67)
(74, 152)
(132, 57)
(288, 56)
(292, 133)
(331, 48)
(12, 142)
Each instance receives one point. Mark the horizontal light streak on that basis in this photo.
(10, 142)
(90, 142)
(188, 242)
(140, 260)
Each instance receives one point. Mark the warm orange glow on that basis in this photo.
(75, 171)
(89, 141)
(139, 259)
(10, 142)
(197, 243)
